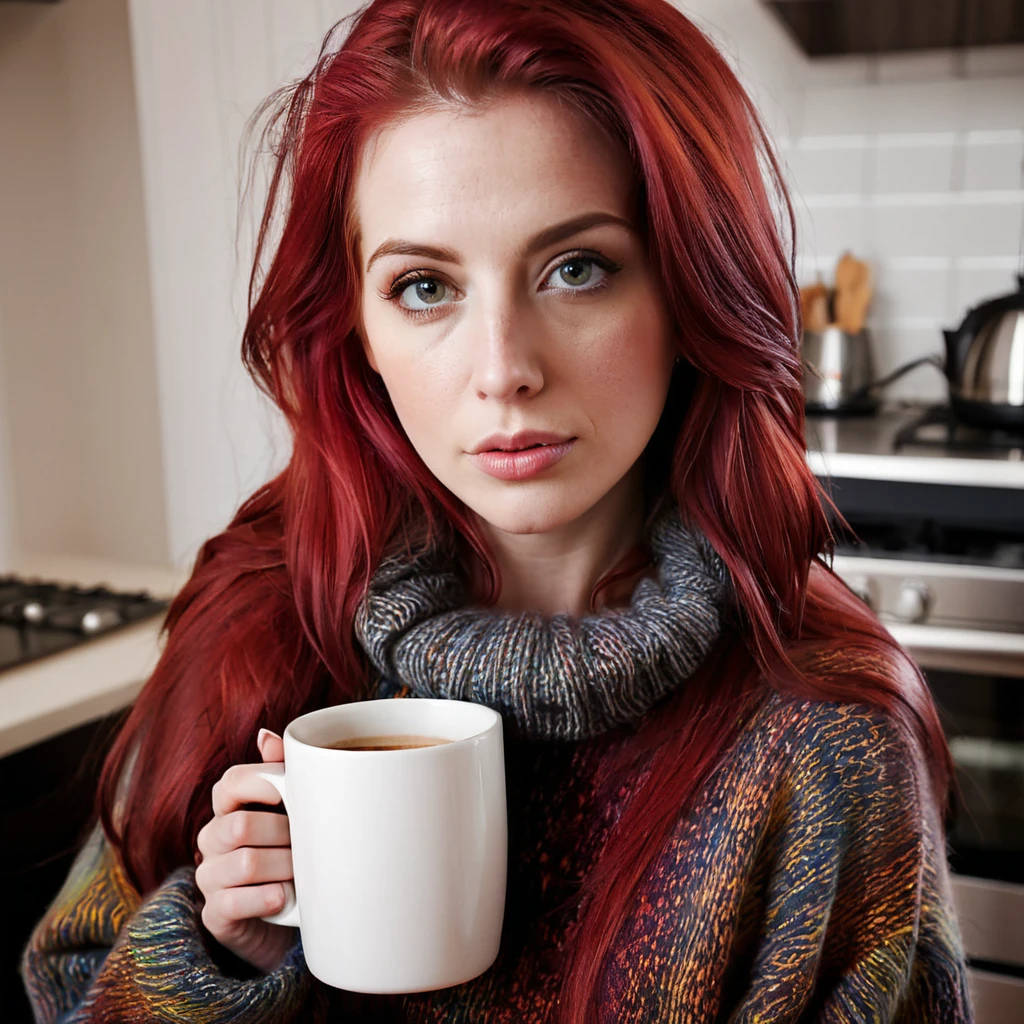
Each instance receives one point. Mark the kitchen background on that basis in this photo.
(128, 430)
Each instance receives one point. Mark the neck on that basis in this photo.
(556, 571)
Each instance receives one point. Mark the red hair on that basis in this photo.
(262, 631)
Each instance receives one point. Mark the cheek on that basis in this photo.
(423, 398)
(628, 375)
(389, 355)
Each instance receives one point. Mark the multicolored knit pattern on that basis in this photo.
(103, 954)
(808, 882)
(584, 675)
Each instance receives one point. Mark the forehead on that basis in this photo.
(487, 175)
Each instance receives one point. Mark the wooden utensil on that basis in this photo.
(814, 304)
(853, 292)
(857, 307)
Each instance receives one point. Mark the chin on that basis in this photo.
(542, 509)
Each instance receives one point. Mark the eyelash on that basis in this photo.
(401, 283)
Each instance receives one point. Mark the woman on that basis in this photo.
(727, 782)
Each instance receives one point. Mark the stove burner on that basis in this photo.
(40, 617)
(939, 427)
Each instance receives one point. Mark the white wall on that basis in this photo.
(78, 384)
(221, 439)
(6, 497)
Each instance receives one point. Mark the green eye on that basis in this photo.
(581, 270)
(577, 270)
(427, 289)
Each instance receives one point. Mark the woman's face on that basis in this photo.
(520, 300)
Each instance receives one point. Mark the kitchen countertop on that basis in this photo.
(60, 691)
(862, 447)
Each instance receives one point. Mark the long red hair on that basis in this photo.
(262, 631)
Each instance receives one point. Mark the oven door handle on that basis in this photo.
(966, 650)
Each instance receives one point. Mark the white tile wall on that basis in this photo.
(987, 228)
(898, 229)
(915, 164)
(908, 67)
(902, 164)
(829, 229)
(912, 292)
(974, 284)
(993, 160)
(824, 170)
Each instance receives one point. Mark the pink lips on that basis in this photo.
(522, 464)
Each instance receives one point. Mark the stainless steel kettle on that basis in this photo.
(985, 363)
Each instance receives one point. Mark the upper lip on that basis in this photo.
(520, 439)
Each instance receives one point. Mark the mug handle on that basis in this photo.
(288, 915)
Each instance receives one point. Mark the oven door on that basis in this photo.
(978, 682)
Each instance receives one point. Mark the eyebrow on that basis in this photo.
(548, 236)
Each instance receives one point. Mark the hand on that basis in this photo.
(244, 857)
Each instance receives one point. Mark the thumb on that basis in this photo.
(271, 746)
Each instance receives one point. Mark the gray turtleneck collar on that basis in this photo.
(551, 677)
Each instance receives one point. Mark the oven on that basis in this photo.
(942, 565)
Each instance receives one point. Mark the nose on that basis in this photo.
(506, 360)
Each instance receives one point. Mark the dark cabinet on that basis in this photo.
(49, 792)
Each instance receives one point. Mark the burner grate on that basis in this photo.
(938, 427)
(41, 617)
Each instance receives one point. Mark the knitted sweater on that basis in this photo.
(808, 881)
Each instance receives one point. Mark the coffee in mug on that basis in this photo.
(385, 743)
(399, 862)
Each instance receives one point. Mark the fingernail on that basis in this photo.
(261, 736)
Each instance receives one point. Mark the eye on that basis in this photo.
(418, 287)
(577, 271)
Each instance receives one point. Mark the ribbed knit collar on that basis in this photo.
(557, 677)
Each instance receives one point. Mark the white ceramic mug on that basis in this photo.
(400, 856)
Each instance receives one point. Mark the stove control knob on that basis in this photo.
(33, 612)
(97, 619)
(914, 602)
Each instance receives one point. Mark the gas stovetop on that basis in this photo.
(906, 431)
(937, 427)
(41, 617)
(935, 515)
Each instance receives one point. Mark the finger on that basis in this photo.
(229, 906)
(239, 785)
(250, 865)
(243, 828)
(271, 746)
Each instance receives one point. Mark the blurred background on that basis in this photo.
(129, 432)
